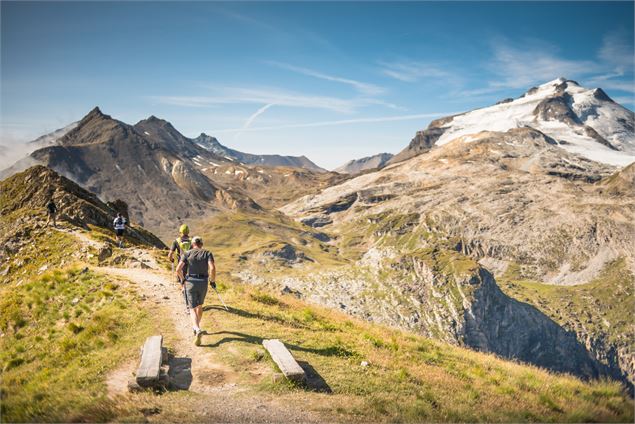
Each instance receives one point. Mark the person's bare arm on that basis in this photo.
(171, 255)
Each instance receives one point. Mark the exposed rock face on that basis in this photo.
(212, 144)
(557, 108)
(423, 140)
(191, 181)
(364, 164)
(514, 201)
(512, 197)
(496, 323)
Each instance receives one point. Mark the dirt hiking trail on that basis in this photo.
(203, 389)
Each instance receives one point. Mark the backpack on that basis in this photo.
(184, 245)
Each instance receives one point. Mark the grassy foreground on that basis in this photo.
(409, 379)
(65, 329)
(62, 332)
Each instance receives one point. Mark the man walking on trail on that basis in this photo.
(51, 209)
(120, 226)
(200, 269)
(179, 246)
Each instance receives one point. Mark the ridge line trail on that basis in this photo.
(218, 393)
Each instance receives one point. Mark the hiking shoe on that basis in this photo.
(197, 337)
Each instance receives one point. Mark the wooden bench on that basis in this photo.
(285, 361)
(150, 373)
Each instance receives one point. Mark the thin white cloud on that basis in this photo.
(362, 87)
(243, 95)
(337, 122)
(607, 84)
(616, 51)
(625, 100)
(253, 117)
(414, 71)
(616, 54)
(523, 66)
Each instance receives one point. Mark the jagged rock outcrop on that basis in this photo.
(496, 323)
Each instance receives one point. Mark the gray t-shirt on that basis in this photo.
(196, 261)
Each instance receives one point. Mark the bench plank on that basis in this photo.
(285, 361)
(150, 366)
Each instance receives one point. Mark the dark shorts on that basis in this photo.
(119, 232)
(195, 291)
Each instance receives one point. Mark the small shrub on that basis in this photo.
(266, 299)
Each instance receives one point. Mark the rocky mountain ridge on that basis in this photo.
(356, 166)
(164, 176)
(212, 144)
(149, 166)
(23, 204)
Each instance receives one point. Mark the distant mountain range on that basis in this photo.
(580, 120)
(212, 144)
(207, 142)
(359, 165)
(164, 176)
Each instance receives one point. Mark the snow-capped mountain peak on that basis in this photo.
(581, 120)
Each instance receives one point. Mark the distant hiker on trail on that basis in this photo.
(52, 211)
(200, 269)
(120, 227)
(179, 246)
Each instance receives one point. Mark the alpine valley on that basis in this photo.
(507, 230)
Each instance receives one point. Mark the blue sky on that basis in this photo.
(332, 81)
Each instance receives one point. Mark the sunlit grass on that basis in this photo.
(62, 332)
(410, 378)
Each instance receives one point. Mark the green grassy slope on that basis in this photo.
(410, 378)
(64, 330)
